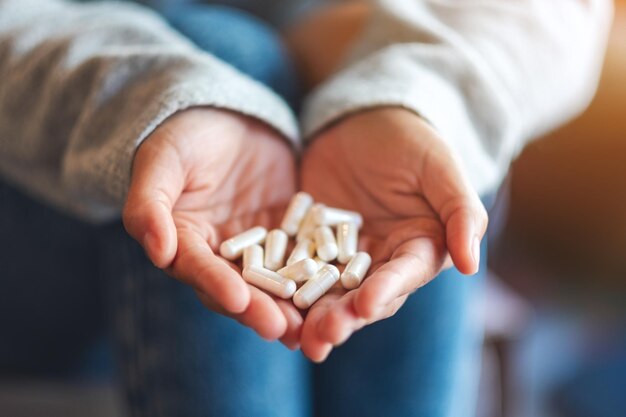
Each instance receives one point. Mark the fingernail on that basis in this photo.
(343, 338)
(293, 346)
(476, 252)
(324, 355)
(148, 243)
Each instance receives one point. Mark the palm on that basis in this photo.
(207, 175)
(391, 203)
(230, 190)
(389, 166)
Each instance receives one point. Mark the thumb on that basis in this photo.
(459, 207)
(156, 183)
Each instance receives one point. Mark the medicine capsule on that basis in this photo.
(300, 271)
(320, 263)
(275, 248)
(253, 255)
(330, 216)
(355, 271)
(347, 238)
(307, 226)
(297, 209)
(269, 281)
(232, 248)
(325, 243)
(303, 250)
(317, 286)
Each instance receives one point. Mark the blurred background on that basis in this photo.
(555, 310)
(559, 245)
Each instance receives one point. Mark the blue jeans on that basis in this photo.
(62, 281)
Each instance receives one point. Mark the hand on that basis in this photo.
(204, 175)
(419, 214)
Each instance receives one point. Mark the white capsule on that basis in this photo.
(330, 216)
(355, 271)
(320, 263)
(347, 238)
(307, 226)
(269, 281)
(232, 248)
(325, 243)
(275, 248)
(303, 250)
(317, 286)
(253, 255)
(298, 207)
(300, 271)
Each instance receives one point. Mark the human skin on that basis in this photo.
(204, 175)
(355, 164)
(207, 174)
(420, 215)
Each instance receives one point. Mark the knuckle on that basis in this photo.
(461, 204)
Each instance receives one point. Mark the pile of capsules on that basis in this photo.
(309, 266)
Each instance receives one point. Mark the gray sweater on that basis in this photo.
(81, 85)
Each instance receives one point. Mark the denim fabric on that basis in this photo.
(276, 12)
(180, 359)
(59, 277)
(424, 361)
(226, 33)
(50, 303)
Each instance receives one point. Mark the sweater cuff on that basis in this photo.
(391, 77)
(197, 80)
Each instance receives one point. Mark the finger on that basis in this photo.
(340, 321)
(312, 345)
(291, 337)
(451, 195)
(262, 315)
(413, 264)
(465, 227)
(195, 264)
(157, 181)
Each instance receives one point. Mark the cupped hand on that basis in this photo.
(204, 175)
(420, 215)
